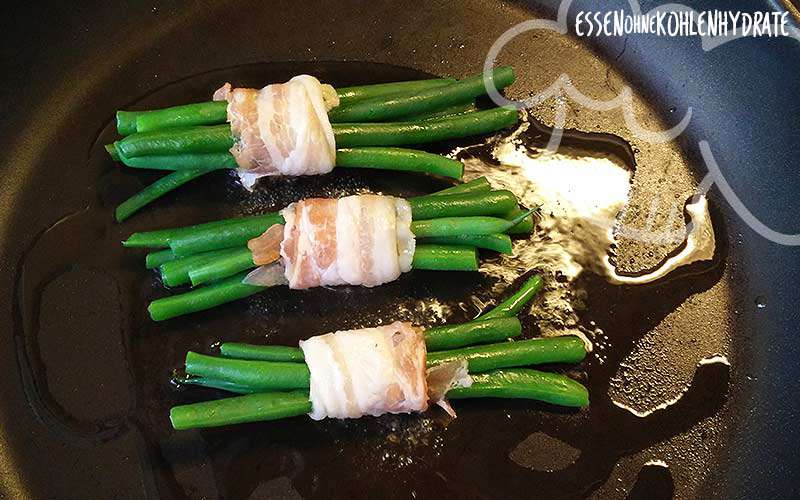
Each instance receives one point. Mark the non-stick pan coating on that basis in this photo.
(87, 376)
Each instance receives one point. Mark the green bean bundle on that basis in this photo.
(256, 372)
(214, 257)
(193, 139)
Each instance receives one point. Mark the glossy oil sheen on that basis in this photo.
(68, 66)
(99, 371)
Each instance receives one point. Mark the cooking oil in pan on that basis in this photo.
(580, 197)
(640, 325)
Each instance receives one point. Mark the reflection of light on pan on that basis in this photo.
(709, 360)
(581, 198)
(697, 247)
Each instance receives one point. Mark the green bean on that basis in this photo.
(224, 236)
(400, 133)
(238, 260)
(524, 383)
(176, 272)
(525, 226)
(161, 238)
(497, 242)
(201, 113)
(566, 349)
(518, 383)
(436, 338)
(154, 259)
(462, 205)
(445, 258)
(456, 109)
(514, 304)
(240, 409)
(239, 234)
(474, 332)
(217, 384)
(425, 101)
(156, 190)
(475, 186)
(182, 161)
(126, 122)
(408, 160)
(479, 185)
(281, 375)
(261, 352)
(348, 95)
(203, 298)
(185, 140)
(111, 149)
(212, 112)
(257, 375)
(455, 226)
(218, 138)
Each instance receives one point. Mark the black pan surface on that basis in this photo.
(87, 387)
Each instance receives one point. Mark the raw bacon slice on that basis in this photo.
(267, 247)
(309, 243)
(445, 376)
(222, 93)
(266, 276)
(356, 240)
(366, 240)
(406, 244)
(282, 129)
(370, 371)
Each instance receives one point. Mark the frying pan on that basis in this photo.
(87, 377)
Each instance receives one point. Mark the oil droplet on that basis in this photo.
(698, 246)
(622, 398)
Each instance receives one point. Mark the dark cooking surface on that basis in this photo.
(95, 373)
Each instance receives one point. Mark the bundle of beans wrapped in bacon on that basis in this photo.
(362, 240)
(396, 368)
(304, 127)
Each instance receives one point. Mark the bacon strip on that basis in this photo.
(267, 247)
(370, 371)
(356, 240)
(367, 240)
(282, 129)
(309, 243)
(267, 275)
(443, 377)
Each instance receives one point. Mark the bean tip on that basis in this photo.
(120, 213)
